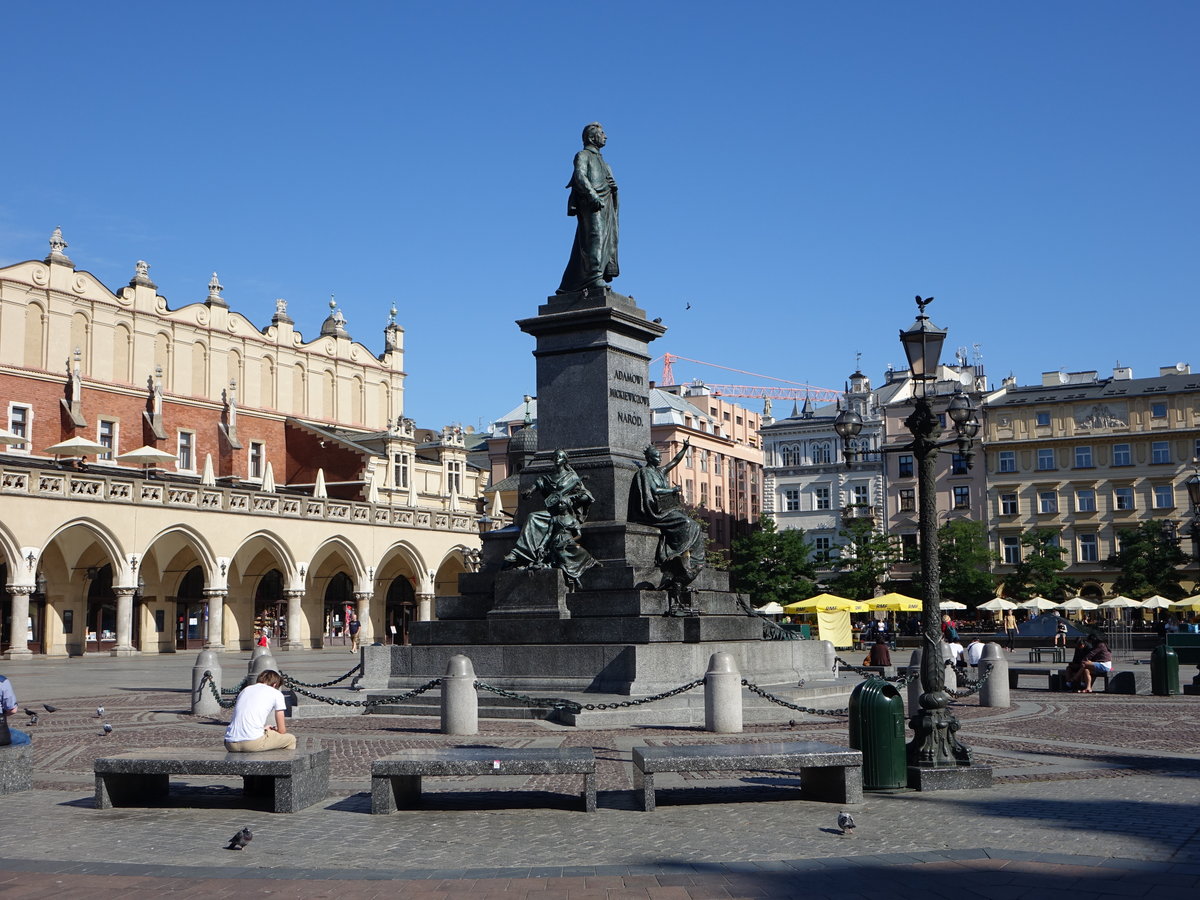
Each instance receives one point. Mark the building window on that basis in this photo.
(958, 464)
(822, 548)
(1048, 501)
(1011, 549)
(703, 460)
(1083, 457)
(1007, 461)
(704, 493)
(688, 491)
(1045, 459)
(909, 548)
(687, 456)
(904, 466)
(791, 500)
(962, 496)
(862, 495)
(454, 473)
(1158, 410)
(20, 421)
(106, 435)
(1089, 548)
(1121, 455)
(1009, 505)
(257, 455)
(1043, 419)
(1123, 498)
(1085, 500)
(1160, 452)
(908, 499)
(187, 451)
(821, 498)
(718, 496)
(1164, 496)
(716, 463)
(400, 470)
(822, 455)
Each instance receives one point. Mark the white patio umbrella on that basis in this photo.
(1041, 604)
(146, 456)
(268, 481)
(1121, 603)
(951, 604)
(319, 490)
(1078, 604)
(997, 604)
(1156, 602)
(8, 437)
(770, 609)
(77, 446)
(208, 478)
(373, 486)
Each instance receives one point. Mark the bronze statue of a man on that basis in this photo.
(593, 202)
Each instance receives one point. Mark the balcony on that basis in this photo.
(858, 511)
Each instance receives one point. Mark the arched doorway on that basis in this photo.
(339, 603)
(191, 612)
(270, 609)
(102, 612)
(399, 610)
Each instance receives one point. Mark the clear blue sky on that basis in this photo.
(796, 171)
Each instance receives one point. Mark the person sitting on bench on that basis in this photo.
(1098, 660)
(251, 728)
(879, 655)
(1073, 679)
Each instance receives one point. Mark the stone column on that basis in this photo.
(425, 607)
(216, 618)
(124, 621)
(362, 609)
(19, 646)
(294, 599)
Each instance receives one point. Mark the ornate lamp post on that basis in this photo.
(1193, 489)
(934, 744)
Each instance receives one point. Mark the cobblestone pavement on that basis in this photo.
(1094, 794)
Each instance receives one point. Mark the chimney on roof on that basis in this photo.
(1122, 373)
(1177, 369)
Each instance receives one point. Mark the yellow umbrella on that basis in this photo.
(895, 602)
(1192, 603)
(825, 603)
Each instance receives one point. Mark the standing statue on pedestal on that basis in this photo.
(593, 202)
(680, 554)
(549, 539)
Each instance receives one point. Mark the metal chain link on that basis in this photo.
(572, 706)
(207, 678)
(370, 701)
(323, 684)
(237, 690)
(767, 695)
(973, 686)
(899, 680)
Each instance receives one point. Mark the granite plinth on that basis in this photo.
(530, 594)
(288, 780)
(396, 779)
(950, 778)
(1128, 681)
(16, 768)
(827, 772)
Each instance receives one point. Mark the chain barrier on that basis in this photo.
(324, 684)
(370, 701)
(236, 690)
(207, 678)
(572, 706)
(767, 695)
(899, 680)
(973, 686)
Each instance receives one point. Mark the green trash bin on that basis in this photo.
(1164, 671)
(877, 729)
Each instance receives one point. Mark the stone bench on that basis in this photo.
(289, 780)
(827, 772)
(1057, 654)
(396, 779)
(1054, 677)
(16, 768)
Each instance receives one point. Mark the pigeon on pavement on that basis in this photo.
(49, 708)
(845, 822)
(99, 712)
(240, 839)
(107, 729)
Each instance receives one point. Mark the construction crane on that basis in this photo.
(794, 390)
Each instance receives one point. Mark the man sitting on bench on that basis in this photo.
(1098, 660)
(251, 728)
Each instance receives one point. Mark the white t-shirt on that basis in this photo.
(255, 710)
(974, 651)
(956, 650)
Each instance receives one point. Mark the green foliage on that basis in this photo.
(965, 560)
(863, 564)
(1039, 572)
(769, 564)
(1148, 559)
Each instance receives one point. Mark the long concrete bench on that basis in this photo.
(16, 768)
(827, 772)
(289, 780)
(396, 779)
(1053, 677)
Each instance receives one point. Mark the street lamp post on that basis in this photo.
(935, 744)
(1193, 489)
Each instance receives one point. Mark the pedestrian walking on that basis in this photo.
(1010, 629)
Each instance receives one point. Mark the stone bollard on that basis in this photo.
(914, 683)
(460, 699)
(255, 654)
(722, 695)
(203, 701)
(995, 690)
(262, 662)
(950, 674)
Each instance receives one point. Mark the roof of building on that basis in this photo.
(1100, 389)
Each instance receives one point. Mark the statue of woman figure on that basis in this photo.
(655, 501)
(549, 539)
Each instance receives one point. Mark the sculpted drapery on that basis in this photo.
(593, 203)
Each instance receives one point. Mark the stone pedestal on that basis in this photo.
(951, 778)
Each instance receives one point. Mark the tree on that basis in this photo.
(965, 561)
(1148, 556)
(769, 564)
(863, 563)
(1038, 573)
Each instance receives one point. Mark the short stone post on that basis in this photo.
(262, 662)
(951, 674)
(914, 683)
(722, 695)
(460, 700)
(255, 654)
(204, 703)
(995, 691)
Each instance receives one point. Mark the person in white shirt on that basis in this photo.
(258, 721)
(974, 652)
